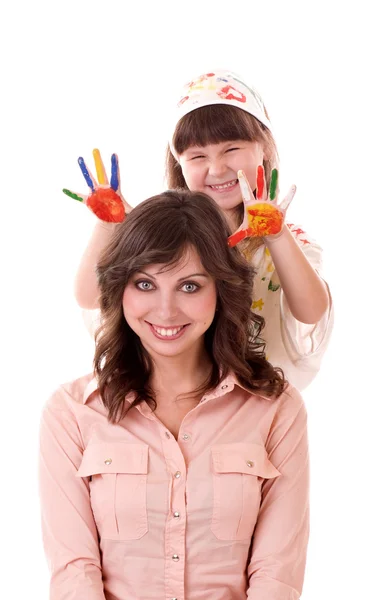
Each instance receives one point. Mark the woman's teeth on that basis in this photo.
(224, 186)
(167, 332)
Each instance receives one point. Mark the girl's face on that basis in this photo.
(212, 169)
(171, 310)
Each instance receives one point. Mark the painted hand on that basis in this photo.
(263, 216)
(104, 200)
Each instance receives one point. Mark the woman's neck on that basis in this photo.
(177, 375)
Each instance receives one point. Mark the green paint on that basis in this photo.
(263, 278)
(273, 184)
(273, 287)
(72, 195)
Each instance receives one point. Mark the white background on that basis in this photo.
(79, 75)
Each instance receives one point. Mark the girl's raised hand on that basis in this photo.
(104, 200)
(263, 216)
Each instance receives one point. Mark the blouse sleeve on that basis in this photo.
(278, 552)
(306, 344)
(69, 530)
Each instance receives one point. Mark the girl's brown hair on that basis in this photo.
(160, 231)
(220, 123)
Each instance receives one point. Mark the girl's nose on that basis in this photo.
(217, 167)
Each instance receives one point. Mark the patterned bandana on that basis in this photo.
(218, 87)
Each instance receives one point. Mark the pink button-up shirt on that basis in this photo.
(129, 512)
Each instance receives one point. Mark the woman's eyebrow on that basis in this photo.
(193, 275)
(181, 278)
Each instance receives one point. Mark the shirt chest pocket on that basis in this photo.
(118, 480)
(238, 473)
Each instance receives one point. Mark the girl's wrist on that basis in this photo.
(269, 239)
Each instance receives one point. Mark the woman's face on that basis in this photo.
(212, 169)
(170, 310)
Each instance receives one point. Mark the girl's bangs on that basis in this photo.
(213, 124)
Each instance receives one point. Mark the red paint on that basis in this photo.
(226, 93)
(183, 100)
(260, 182)
(107, 205)
(237, 237)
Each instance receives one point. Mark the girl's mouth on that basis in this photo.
(224, 187)
(167, 333)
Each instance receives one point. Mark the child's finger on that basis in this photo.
(115, 175)
(73, 195)
(261, 187)
(86, 174)
(273, 184)
(247, 195)
(288, 198)
(100, 169)
(237, 237)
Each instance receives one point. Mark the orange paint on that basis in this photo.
(264, 219)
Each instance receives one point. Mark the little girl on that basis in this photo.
(220, 127)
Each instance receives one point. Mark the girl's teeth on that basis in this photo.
(225, 185)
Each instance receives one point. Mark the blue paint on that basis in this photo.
(114, 181)
(86, 175)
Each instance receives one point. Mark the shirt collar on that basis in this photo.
(224, 387)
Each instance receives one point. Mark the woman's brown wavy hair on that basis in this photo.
(214, 124)
(160, 231)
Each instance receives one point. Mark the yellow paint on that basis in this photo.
(100, 169)
(258, 304)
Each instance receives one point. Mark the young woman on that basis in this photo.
(179, 469)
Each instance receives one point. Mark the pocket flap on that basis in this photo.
(250, 459)
(114, 457)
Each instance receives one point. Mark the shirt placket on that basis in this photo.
(175, 529)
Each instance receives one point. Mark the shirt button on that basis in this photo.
(177, 474)
(175, 557)
(249, 463)
(176, 514)
(185, 436)
(167, 435)
(108, 461)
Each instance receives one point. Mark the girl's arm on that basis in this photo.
(305, 291)
(86, 286)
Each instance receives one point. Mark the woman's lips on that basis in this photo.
(167, 333)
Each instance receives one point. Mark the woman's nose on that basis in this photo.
(168, 309)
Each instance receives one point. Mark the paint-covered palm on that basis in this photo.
(263, 216)
(104, 200)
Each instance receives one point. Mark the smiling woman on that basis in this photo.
(185, 442)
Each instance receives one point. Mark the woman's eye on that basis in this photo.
(190, 287)
(230, 149)
(144, 285)
(196, 157)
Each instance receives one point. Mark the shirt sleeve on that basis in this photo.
(278, 551)
(306, 344)
(69, 530)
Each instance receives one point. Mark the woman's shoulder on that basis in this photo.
(290, 402)
(69, 395)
